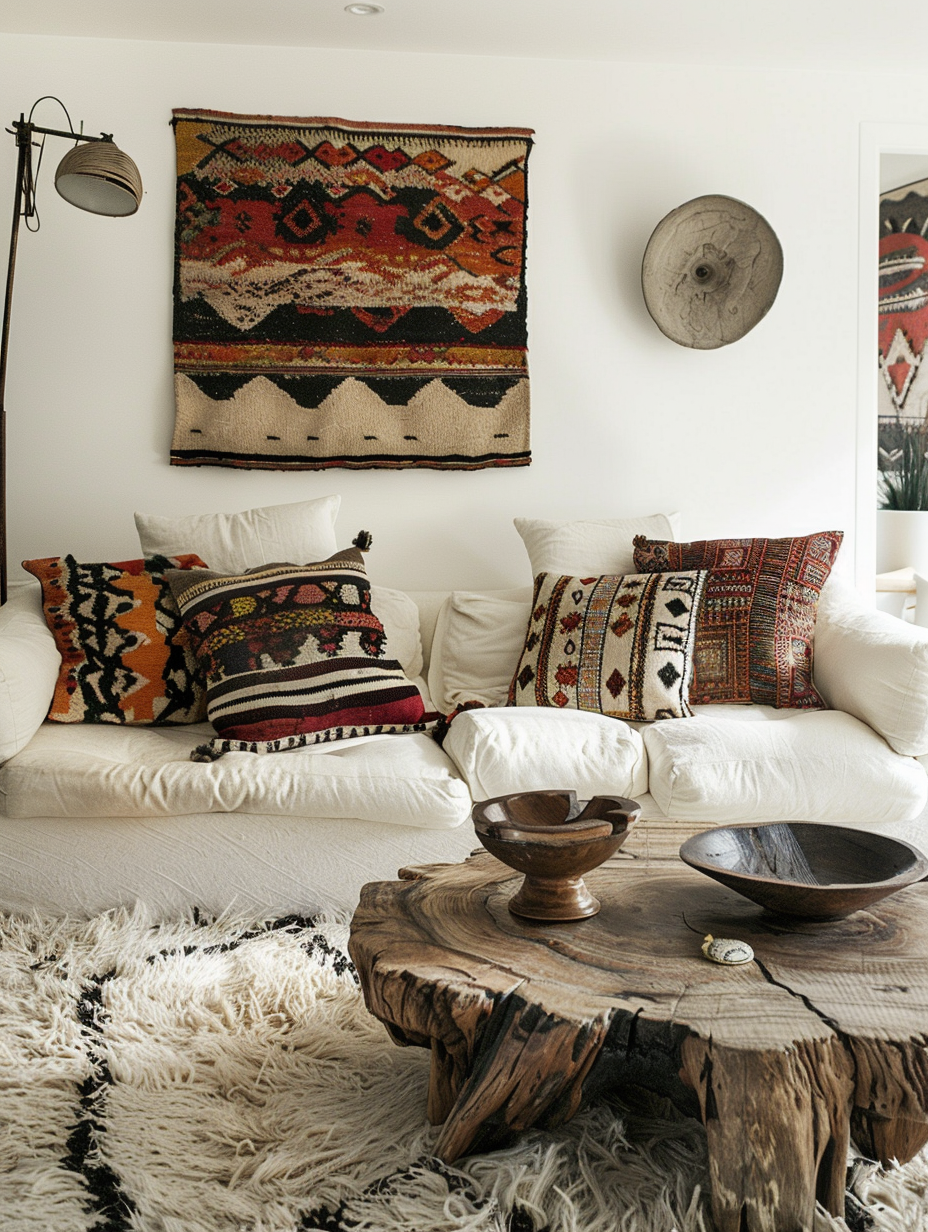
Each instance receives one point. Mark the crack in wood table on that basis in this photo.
(820, 1041)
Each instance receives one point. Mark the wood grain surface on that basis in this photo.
(823, 1035)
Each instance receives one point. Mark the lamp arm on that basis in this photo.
(59, 132)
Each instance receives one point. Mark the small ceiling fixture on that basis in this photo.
(363, 10)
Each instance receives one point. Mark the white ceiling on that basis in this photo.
(824, 33)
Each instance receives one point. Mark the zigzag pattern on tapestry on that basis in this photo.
(349, 294)
(903, 330)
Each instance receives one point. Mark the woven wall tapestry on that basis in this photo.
(903, 333)
(349, 294)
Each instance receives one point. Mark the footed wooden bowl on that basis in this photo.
(554, 839)
(805, 869)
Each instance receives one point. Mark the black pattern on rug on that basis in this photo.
(539, 1184)
(111, 1207)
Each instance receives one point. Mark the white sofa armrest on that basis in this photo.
(29, 662)
(873, 666)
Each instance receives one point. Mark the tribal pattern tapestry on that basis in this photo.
(349, 294)
(903, 328)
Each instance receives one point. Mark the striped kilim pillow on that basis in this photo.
(620, 646)
(294, 651)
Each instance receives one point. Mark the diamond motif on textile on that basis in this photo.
(669, 675)
(386, 160)
(532, 641)
(303, 220)
(560, 699)
(432, 160)
(616, 683)
(676, 607)
(626, 599)
(334, 155)
(526, 676)
(435, 225)
(566, 675)
(621, 626)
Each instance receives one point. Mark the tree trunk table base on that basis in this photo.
(820, 1039)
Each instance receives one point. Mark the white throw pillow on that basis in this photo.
(400, 619)
(590, 547)
(534, 749)
(874, 666)
(478, 639)
(29, 662)
(233, 542)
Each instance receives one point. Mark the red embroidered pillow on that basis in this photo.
(125, 657)
(755, 626)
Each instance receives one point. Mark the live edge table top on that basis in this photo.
(821, 1038)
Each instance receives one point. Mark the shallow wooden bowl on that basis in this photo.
(554, 839)
(804, 869)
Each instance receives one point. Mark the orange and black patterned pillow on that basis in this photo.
(124, 655)
(293, 654)
(755, 628)
(620, 646)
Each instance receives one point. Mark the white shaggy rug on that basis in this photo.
(225, 1077)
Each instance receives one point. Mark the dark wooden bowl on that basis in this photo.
(805, 869)
(554, 839)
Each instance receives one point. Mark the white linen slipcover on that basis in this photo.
(238, 862)
(83, 770)
(29, 662)
(754, 763)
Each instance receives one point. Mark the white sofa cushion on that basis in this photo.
(874, 666)
(595, 546)
(754, 763)
(96, 770)
(536, 748)
(233, 542)
(29, 662)
(478, 639)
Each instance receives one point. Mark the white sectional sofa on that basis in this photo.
(95, 815)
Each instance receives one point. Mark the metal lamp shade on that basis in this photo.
(99, 177)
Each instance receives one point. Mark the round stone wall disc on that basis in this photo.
(711, 271)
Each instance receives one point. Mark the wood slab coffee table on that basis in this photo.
(821, 1039)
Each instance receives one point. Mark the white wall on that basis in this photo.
(756, 438)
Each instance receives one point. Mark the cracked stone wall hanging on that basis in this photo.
(711, 271)
(349, 294)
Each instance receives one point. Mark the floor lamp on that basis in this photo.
(94, 176)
